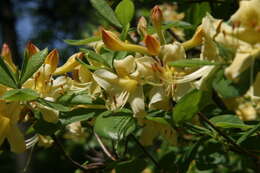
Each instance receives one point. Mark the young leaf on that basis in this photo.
(227, 88)
(82, 42)
(248, 133)
(24, 94)
(81, 114)
(189, 105)
(33, 64)
(229, 121)
(53, 105)
(93, 55)
(125, 11)
(106, 11)
(75, 98)
(115, 126)
(7, 77)
(124, 33)
(191, 63)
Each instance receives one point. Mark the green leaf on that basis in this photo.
(45, 128)
(225, 52)
(177, 24)
(33, 64)
(54, 105)
(125, 11)
(72, 98)
(82, 42)
(157, 120)
(90, 67)
(106, 11)
(81, 114)
(196, 12)
(189, 155)
(24, 94)
(7, 77)
(227, 88)
(229, 121)
(96, 57)
(116, 126)
(248, 133)
(191, 63)
(124, 32)
(189, 105)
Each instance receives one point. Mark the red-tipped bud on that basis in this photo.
(31, 49)
(7, 56)
(112, 41)
(157, 16)
(152, 44)
(6, 52)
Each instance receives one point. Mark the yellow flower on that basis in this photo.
(9, 116)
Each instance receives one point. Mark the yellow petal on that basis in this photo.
(4, 127)
(16, 140)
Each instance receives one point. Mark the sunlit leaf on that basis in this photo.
(24, 94)
(33, 64)
(82, 42)
(125, 11)
(106, 11)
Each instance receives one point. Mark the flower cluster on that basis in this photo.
(145, 73)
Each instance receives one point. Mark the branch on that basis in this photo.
(230, 140)
(104, 147)
(146, 152)
(87, 168)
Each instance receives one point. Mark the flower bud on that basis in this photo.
(7, 56)
(31, 49)
(142, 27)
(70, 64)
(112, 41)
(157, 17)
(52, 59)
(152, 44)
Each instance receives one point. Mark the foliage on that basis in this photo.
(138, 96)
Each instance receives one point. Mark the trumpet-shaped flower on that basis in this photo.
(122, 87)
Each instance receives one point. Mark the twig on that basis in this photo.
(230, 140)
(104, 147)
(174, 35)
(87, 168)
(146, 152)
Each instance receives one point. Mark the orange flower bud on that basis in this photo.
(31, 49)
(7, 56)
(6, 52)
(112, 41)
(157, 16)
(52, 59)
(152, 44)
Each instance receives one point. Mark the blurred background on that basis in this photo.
(47, 23)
